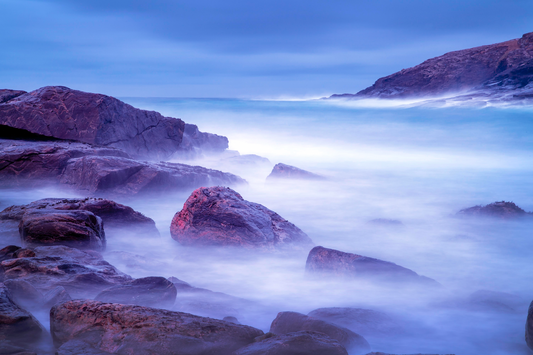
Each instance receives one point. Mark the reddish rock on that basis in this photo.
(505, 210)
(148, 291)
(219, 216)
(288, 322)
(77, 229)
(6, 94)
(296, 343)
(283, 171)
(128, 329)
(329, 262)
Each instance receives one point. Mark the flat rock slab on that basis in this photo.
(295, 343)
(127, 329)
(287, 322)
(219, 216)
(329, 262)
(284, 171)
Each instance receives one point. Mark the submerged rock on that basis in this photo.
(502, 209)
(330, 262)
(295, 343)
(77, 229)
(143, 330)
(283, 171)
(219, 216)
(288, 322)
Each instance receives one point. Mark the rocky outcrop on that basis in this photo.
(97, 171)
(219, 216)
(81, 273)
(329, 262)
(63, 113)
(529, 327)
(366, 322)
(147, 291)
(77, 229)
(283, 171)
(195, 143)
(6, 94)
(125, 329)
(295, 343)
(502, 209)
(288, 322)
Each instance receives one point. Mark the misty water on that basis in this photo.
(415, 165)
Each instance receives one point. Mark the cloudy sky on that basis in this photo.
(246, 49)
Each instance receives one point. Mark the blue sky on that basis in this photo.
(247, 49)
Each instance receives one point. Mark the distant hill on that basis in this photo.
(502, 71)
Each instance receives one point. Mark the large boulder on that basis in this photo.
(81, 273)
(295, 343)
(77, 229)
(129, 329)
(151, 291)
(288, 322)
(17, 326)
(329, 262)
(529, 327)
(502, 209)
(284, 171)
(59, 112)
(219, 216)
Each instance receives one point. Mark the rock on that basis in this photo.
(195, 143)
(283, 171)
(59, 112)
(13, 252)
(329, 262)
(77, 347)
(112, 214)
(148, 291)
(529, 327)
(77, 229)
(142, 330)
(486, 301)
(219, 216)
(487, 69)
(231, 320)
(97, 171)
(380, 353)
(504, 210)
(6, 94)
(24, 294)
(295, 343)
(288, 322)
(81, 273)
(17, 326)
(366, 322)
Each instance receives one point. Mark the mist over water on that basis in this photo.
(418, 166)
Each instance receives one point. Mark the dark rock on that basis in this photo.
(195, 143)
(77, 229)
(231, 320)
(503, 66)
(81, 273)
(24, 294)
(330, 262)
(77, 347)
(143, 330)
(505, 210)
(295, 343)
(7, 348)
(288, 322)
(219, 216)
(366, 322)
(283, 171)
(380, 353)
(17, 326)
(55, 296)
(529, 327)
(148, 291)
(6, 94)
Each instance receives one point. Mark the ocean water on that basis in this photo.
(415, 165)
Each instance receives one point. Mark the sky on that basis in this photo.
(238, 49)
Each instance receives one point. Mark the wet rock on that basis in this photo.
(55, 296)
(143, 330)
(219, 216)
(196, 143)
(329, 262)
(6, 94)
(295, 343)
(529, 327)
(81, 273)
(13, 252)
(17, 326)
(77, 229)
(24, 294)
(77, 347)
(366, 322)
(287, 322)
(231, 320)
(502, 209)
(148, 291)
(283, 171)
